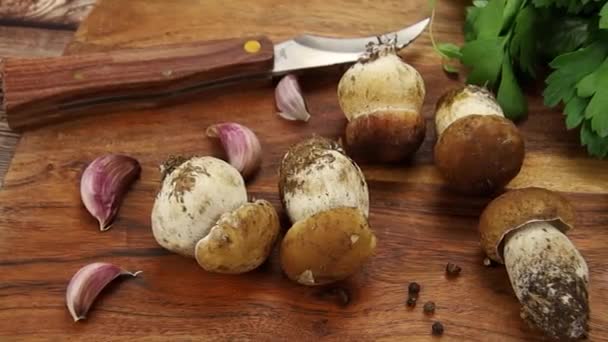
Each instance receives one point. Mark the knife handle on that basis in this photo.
(44, 90)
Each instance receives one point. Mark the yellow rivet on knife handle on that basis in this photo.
(252, 46)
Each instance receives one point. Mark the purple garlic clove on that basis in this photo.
(241, 145)
(104, 183)
(289, 99)
(87, 283)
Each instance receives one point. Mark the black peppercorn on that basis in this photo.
(437, 329)
(429, 308)
(413, 289)
(411, 302)
(452, 269)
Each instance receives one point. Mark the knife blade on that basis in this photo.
(46, 90)
(310, 51)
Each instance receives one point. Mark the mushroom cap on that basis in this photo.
(514, 209)
(385, 136)
(241, 240)
(479, 154)
(327, 247)
(316, 175)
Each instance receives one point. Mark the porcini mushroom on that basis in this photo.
(325, 195)
(526, 230)
(382, 97)
(478, 150)
(201, 211)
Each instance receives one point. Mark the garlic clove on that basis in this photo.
(104, 183)
(289, 99)
(86, 285)
(241, 145)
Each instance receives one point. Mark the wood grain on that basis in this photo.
(25, 42)
(32, 42)
(40, 91)
(46, 235)
(45, 13)
(8, 143)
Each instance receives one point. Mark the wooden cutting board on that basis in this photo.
(46, 235)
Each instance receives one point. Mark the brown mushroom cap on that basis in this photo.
(385, 136)
(327, 247)
(241, 240)
(479, 154)
(514, 209)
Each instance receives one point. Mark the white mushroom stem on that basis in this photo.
(331, 181)
(550, 278)
(471, 100)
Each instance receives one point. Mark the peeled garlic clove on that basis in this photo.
(87, 283)
(288, 96)
(104, 183)
(241, 145)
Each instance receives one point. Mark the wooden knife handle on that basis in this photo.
(44, 90)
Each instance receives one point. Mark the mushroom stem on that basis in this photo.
(462, 102)
(550, 278)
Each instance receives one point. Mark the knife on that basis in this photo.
(39, 91)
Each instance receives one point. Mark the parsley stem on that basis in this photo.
(433, 43)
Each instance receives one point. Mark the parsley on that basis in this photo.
(580, 81)
(498, 33)
(562, 34)
(507, 40)
(509, 93)
(484, 57)
(523, 43)
(604, 17)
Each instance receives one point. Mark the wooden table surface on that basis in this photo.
(46, 235)
(30, 28)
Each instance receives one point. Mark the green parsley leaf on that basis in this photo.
(589, 84)
(511, 9)
(506, 36)
(449, 50)
(571, 6)
(596, 145)
(485, 57)
(570, 69)
(599, 122)
(470, 28)
(597, 110)
(604, 17)
(561, 34)
(574, 111)
(490, 20)
(523, 43)
(480, 3)
(542, 3)
(510, 97)
(450, 69)
(470, 25)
